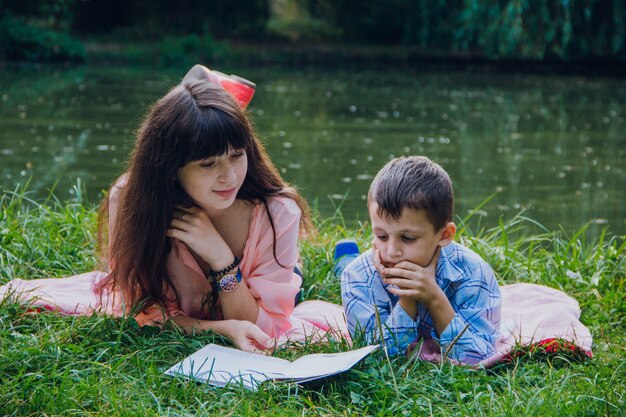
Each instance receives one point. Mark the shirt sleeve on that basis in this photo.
(269, 273)
(475, 326)
(363, 294)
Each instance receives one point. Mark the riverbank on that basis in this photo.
(104, 366)
(189, 50)
(193, 49)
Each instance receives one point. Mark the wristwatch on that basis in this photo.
(229, 282)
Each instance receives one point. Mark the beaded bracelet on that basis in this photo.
(215, 274)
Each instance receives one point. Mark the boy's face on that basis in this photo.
(411, 238)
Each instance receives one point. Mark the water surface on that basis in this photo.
(552, 147)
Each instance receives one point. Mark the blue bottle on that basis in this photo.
(346, 250)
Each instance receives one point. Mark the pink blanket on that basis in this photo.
(531, 315)
(311, 321)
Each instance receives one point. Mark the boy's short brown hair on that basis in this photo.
(413, 182)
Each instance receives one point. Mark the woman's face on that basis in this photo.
(213, 183)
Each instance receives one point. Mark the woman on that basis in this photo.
(203, 231)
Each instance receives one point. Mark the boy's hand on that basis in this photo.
(415, 285)
(410, 280)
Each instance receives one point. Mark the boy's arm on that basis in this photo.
(441, 312)
(469, 309)
(477, 306)
(363, 294)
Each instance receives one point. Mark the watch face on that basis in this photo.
(228, 283)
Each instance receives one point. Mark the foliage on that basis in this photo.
(25, 42)
(545, 29)
(55, 15)
(501, 29)
(302, 29)
(69, 229)
(190, 49)
(38, 31)
(527, 29)
(156, 19)
(389, 21)
(63, 365)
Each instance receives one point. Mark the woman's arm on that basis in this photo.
(193, 227)
(239, 304)
(267, 292)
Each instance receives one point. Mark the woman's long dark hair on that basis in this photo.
(194, 121)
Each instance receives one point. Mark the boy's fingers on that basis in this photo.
(377, 263)
(400, 283)
(415, 267)
(398, 273)
(410, 266)
(400, 292)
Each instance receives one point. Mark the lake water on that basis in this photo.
(552, 147)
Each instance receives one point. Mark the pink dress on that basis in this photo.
(274, 286)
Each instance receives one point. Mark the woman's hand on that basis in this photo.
(193, 227)
(244, 334)
(248, 337)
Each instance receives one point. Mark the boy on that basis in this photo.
(422, 284)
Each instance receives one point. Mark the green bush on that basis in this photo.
(24, 41)
(540, 29)
(512, 29)
(303, 29)
(190, 49)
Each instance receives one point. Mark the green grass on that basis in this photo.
(56, 365)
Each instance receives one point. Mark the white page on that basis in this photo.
(220, 365)
(324, 364)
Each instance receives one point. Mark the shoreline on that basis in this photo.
(115, 52)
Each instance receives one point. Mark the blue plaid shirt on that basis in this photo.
(466, 279)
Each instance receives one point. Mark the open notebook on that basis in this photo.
(220, 366)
